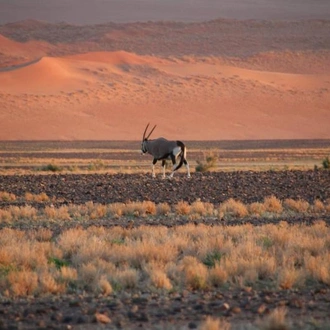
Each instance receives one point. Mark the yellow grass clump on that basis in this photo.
(163, 209)
(6, 196)
(106, 260)
(116, 209)
(215, 324)
(5, 216)
(42, 197)
(61, 213)
(202, 209)
(23, 212)
(140, 209)
(318, 206)
(257, 209)
(182, 208)
(233, 208)
(297, 206)
(158, 276)
(273, 204)
(275, 320)
(23, 282)
(195, 272)
(229, 209)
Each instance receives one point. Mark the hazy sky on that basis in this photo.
(101, 11)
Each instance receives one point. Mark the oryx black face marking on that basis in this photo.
(162, 149)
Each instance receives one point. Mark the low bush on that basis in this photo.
(51, 168)
(326, 163)
(208, 164)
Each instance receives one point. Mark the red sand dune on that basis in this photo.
(113, 95)
(223, 79)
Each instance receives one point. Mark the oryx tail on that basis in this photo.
(182, 155)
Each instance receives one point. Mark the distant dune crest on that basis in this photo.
(198, 81)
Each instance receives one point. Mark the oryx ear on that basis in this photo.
(145, 131)
(151, 132)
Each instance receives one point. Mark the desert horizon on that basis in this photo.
(251, 77)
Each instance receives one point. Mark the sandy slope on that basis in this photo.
(113, 95)
(221, 79)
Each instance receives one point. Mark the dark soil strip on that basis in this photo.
(214, 187)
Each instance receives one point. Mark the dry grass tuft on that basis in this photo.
(289, 277)
(227, 210)
(318, 206)
(23, 283)
(116, 209)
(158, 277)
(273, 205)
(142, 209)
(5, 216)
(42, 197)
(7, 197)
(49, 284)
(106, 260)
(276, 320)
(218, 276)
(163, 208)
(195, 273)
(61, 213)
(215, 324)
(233, 208)
(257, 208)
(149, 207)
(23, 212)
(125, 278)
(95, 210)
(202, 208)
(182, 208)
(297, 206)
(42, 235)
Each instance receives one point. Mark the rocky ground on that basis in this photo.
(213, 187)
(146, 310)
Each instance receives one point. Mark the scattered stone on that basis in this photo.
(225, 307)
(235, 310)
(261, 309)
(102, 318)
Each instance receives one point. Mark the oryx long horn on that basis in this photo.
(151, 132)
(145, 131)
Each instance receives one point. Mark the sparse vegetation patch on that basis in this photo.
(208, 164)
(102, 260)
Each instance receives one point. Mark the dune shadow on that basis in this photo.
(19, 66)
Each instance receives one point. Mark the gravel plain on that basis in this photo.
(157, 310)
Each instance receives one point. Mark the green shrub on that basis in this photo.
(51, 168)
(212, 258)
(59, 263)
(209, 163)
(97, 165)
(326, 163)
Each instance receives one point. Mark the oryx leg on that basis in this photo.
(187, 167)
(153, 167)
(164, 167)
(173, 158)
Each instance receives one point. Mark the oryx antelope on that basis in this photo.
(162, 149)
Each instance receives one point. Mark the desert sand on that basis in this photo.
(221, 79)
